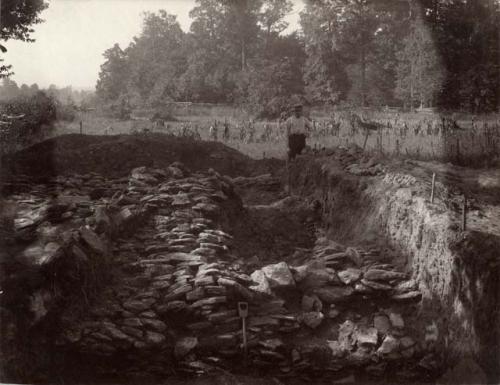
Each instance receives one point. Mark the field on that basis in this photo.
(458, 138)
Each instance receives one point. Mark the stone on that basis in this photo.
(263, 321)
(318, 278)
(406, 286)
(184, 346)
(345, 337)
(311, 303)
(271, 344)
(237, 287)
(173, 306)
(431, 332)
(279, 275)
(299, 273)
(397, 320)
(206, 280)
(178, 292)
(381, 323)
(51, 252)
(215, 290)
(389, 345)
(354, 256)
(180, 200)
(196, 294)
(197, 326)
(312, 319)
(376, 285)
(179, 257)
(133, 322)
(333, 294)
(366, 336)
(138, 306)
(208, 208)
(148, 314)
(406, 342)
(153, 338)
(112, 331)
(361, 356)
(338, 351)
(222, 316)
(383, 275)
(349, 276)
(261, 283)
(133, 332)
(38, 304)
(376, 370)
(92, 240)
(209, 301)
(362, 289)
(409, 296)
(154, 324)
(333, 312)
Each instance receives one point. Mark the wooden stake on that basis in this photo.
(464, 214)
(288, 177)
(366, 139)
(433, 185)
(81, 127)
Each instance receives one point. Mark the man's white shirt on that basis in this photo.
(296, 125)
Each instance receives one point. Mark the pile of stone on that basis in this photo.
(264, 182)
(170, 301)
(355, 161)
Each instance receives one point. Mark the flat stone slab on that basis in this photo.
(278, 275)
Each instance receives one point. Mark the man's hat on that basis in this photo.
(298, 105)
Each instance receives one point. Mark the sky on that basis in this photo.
(70, 43)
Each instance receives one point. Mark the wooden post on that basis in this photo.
(432, 187)
(464, 214)
(288, 177)
(263, 154)
(366, 139)
(81, 127)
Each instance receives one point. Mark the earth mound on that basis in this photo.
(115, 156)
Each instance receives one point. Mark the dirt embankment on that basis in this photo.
(114, 156)
(457, 271)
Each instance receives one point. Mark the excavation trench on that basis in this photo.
(354, 277)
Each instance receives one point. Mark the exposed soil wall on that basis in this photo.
(456, 271)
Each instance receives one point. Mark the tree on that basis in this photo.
(113, 76)
(157, 58)
(9, 89)
(16, 20)
(420, 73)
(324, 70)
(241, 27)
(271, 18)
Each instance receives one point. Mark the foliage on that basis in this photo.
(419, 73)
(27, 118)
(17, 19)
(359, 52)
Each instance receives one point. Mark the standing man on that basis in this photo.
(297, 128)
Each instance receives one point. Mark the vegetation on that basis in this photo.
(17, 18)
(426, 53)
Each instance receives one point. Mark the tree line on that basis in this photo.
(9, 90)
(426, 53)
